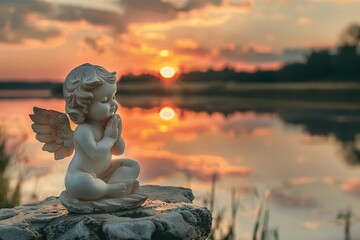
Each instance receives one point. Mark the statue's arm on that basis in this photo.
(84, 138)
(119, 146)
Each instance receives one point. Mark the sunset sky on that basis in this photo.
(46, 39)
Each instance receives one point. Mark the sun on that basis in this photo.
(167, 113)
(164, 53)
(167, 72)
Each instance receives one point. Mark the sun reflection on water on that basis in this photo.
(167, 113)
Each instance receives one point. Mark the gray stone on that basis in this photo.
(167, 214)
(16, 232)
(168, 193)
(6, 213)
(129, 230)
(71, 229)
(173, 225)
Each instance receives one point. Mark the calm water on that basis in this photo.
(298, 158)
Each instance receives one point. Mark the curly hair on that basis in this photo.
(77, 88)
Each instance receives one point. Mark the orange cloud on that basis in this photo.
(261, 131)
(351, 186)
(185, 136)
(154, 129)
(312, 225)
(303, 21)
(253, 47)
(186, 43)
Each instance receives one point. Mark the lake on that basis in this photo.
(299, 160)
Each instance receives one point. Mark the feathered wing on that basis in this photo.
(53, 129)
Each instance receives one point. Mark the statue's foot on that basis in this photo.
(136, 186)
(117, 190)
(132, 186)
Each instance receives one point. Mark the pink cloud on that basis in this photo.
(308, 180)
(292, 200)
(162, 163)
(300, 181)
(314, 225)
(246, 123)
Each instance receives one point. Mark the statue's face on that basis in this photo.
(103, 105)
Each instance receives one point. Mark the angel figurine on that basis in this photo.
(92, 177)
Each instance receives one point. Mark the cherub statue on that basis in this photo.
(92, 177)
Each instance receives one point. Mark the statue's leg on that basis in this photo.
(84, 186)
(123, 169)
(126, 172)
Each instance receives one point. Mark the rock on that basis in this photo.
(168, 193)
(167, 214)
(7, 213)
(129, 230)
(16, 232)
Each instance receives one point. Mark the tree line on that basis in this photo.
(321, 65)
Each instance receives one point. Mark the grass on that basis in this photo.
(8, 197)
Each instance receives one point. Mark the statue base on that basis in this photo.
(102, 205)
(168, 213)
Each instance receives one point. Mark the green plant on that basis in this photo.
(346, 215)
(8, 197)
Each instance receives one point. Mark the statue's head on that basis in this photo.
(78, 87)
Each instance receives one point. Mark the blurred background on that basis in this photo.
(254, 104)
